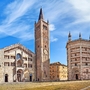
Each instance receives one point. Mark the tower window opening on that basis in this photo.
(86, 70)
(45, 46)
(75, 64)
(85, 49)
(86, 64)
(44, 27)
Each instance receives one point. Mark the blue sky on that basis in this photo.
(17, 19)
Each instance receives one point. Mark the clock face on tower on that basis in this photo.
(45, 51)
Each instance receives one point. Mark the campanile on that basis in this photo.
(42, 48)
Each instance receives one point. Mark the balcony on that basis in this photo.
(9, 60)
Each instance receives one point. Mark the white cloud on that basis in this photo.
(11, 25)
(54, 11)
(82, 10)
(17, 31)
(51, 27)
(26, 36)
(77, 10)
(17, 9)
(53, 39)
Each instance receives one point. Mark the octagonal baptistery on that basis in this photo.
(78, 58)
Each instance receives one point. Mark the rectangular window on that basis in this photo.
(6, 63)
(12, 63)
(6, 56)
(12, 57)
(29, 65)
(25, 58)
(29, 59)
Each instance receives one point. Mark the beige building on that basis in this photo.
(17, 64)
(78, 58)
(58, 71)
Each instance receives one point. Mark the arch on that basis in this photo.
(6, 77)
(76, 73)
(18, 56)
(19, 63)
(19, 75)
(19, 71)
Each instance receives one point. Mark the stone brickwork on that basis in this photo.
(42, 49)
(78, 59)
(17, 64)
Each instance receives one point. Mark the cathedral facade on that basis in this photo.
(78, 58)
(19, 64)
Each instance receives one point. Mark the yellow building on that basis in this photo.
(58, 71)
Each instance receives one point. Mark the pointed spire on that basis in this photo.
(79, 35)
(69, 36)
(40, 15)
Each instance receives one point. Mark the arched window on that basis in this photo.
(18, 56)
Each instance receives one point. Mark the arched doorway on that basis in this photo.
(76, 74)
(19, 75)
(6, 77)
(76, 77)
(30, 77)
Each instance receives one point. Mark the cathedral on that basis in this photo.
(19, 64)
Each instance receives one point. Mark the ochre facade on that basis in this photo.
(58, 71)
(78, 58)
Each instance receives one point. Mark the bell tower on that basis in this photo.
(42, 48)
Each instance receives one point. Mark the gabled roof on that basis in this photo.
(58, 63)
(18, 45)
